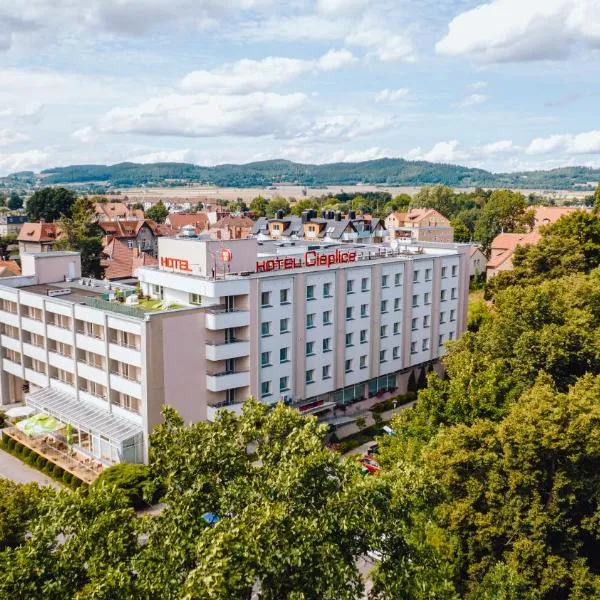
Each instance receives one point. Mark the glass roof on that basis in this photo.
(67, 409)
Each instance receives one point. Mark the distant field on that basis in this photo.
(208, 194)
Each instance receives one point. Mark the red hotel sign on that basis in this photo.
(178, 264)
(311, 259)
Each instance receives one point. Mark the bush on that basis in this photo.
(133, 480)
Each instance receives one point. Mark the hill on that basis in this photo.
(385, 171)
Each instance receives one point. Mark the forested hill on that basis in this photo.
(387, 171)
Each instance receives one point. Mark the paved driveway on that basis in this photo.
(13, 468)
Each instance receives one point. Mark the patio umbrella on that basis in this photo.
(39, 424)
(19, 411)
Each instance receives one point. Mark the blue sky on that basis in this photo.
(503, 85)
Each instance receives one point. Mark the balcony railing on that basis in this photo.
(225, 373)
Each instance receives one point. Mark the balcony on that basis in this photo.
(227, 350)
(220, 318)
(211, 411)
(219, 382)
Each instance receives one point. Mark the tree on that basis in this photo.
(50, 204)
(276, 204)
(597, 199)
(438, 197)
(2, 200)
(461, 232)
(157, 212)
(15, 202)
(81, 234)
(305, 204)
(259, 206)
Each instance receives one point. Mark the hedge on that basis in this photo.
(135, 482)
(389, 403)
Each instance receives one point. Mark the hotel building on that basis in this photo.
(318, 325)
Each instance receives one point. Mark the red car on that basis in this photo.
(371, 465)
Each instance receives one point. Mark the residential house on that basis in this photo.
(420, 224)
(117, 211)
(477, 262)
(231, 227)
(546, 215)
(175, 221)
(34, 238)
(120, 261)
(142, 235)
(503, 249)
(10, 224)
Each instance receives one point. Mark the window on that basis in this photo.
(284, 384)
(265, 328)
(396, 303)
(265, 299)
(130, 244)
(310, 292)
(364, 284)
(57, 320)
(310, 348)
(382, 354)
(395, 352)
(427, 297)
(363, 361)
(427, 274)
(265, 359)
(415, 300)
(364, 310)
(326, 290)
(414, 325)
(443, 295)
(96, 331)
(350, 286)
(426, 321)
(60, 348)
(348, 366)
(416, 276)
(196, 299)
(454, 270)
(451, 335)
(349, 339)
(383, 331)
(326, 372)
(284, 296)
(12, 355)
(284, 355)
(363, 336)
(444, 272)
(384, 281)
(442, 317)
(310, 320)
(452, 315)
(413, 347)
(398, 279)
(157, 291)
(425, 344)
(326, 344)
(384, 305)
(397, 328)
(441, 340)
(327, 317)
(310, 376)
(265, 388)
(349, 313)
(453, 294)
(284, 325)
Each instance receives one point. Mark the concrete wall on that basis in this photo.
(52, 267)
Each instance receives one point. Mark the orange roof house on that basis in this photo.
(178, 220)
(546, 215)
(423, 224)
(38, 237)
(503, 248)
(114, 211)
(9, 268)
(120, 261)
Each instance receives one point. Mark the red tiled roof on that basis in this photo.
(125, 229)
(506, 243)
(120, 261)
(179, 220)
(39, 232)
(546, 215)
(9, 268)
(233, 221)
(118, 210)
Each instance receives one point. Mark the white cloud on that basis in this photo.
(387, 46)
(207, 115)
(499, 147)
(245, 76)
(85, 135)
(185, 155)
(513, 30)
(360, 155)
(343, 127)
(582, 143)
(478, 85)
(442, 152)
(340, 7)
(8, 137)
(474, 99)
(391, 95)
(22, 161)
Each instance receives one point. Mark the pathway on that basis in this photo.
(15, 469)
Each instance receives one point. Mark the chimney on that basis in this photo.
(352, 215)
(305, 216)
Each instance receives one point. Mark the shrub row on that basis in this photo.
(389, 403)
(33, 459)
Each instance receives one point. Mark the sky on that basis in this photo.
(505, 85)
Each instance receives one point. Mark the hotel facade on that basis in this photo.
(321, 326)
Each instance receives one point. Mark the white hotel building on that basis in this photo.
(318, 325)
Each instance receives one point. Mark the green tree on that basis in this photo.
(2, 200)
(157, 212)
(259, 206)
(15, 202)
(597, 199)
(461, 232)
(305, 204)
(81, 234)
(276, 204)
(50, 204)
(439, 197)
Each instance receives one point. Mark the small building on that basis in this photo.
(232, 227)
(117, 211)
(503, 248)
(38, 237)
(547, 215)
(176, 221)
(477, 262)
(420, 224)
(11, 224)
(142, 235)
(120, 261)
